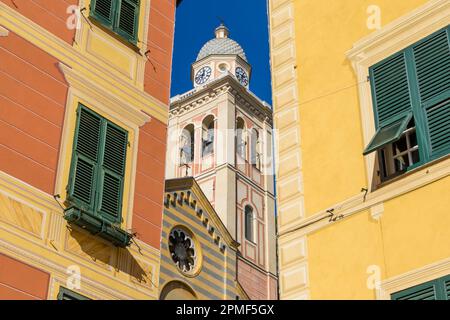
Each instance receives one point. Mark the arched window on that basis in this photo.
(177, 290)
(187, 145)
(248, 211)
(208, 135)
(255, 155)
(241, 139)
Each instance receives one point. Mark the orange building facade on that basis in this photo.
(84, 94)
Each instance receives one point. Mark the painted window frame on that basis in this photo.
(113, 25)
(251, 227)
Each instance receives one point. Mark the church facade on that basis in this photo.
(220, 133)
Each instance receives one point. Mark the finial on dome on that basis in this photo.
(222, 31)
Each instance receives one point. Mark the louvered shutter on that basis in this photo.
(82, 183)
(432, 62)
(392, 101)
(390, 89)
(112, 172)
(127, 19)
(426, 291)
(447, 287)
(103, 10)
(438, 289)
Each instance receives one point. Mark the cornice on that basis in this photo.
(3, 32)
(421, 177)
(200, 205)
(412, 278)
(78, 81)
(224, 84)
(435, 9)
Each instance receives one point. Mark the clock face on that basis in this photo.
(203, 75)
(241, 75)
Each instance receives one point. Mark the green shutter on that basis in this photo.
(389, 133)
(432, 61)
(112, 172)
(438, 289)
(390, 89)
(438, 123)
(417, 81)
(426, 291)
(85, 158)
(432, 65)
(66, 294)
(127, 19)
(447, 287)
(103, 10)
(392, 101)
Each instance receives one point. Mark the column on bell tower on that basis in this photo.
(225, 176)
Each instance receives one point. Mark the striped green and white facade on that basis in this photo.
(214, 277)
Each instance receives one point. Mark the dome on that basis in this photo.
(221, 44)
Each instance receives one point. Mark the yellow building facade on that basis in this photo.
(353, 225)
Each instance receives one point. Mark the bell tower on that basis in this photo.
(220, 133)
(219, 57)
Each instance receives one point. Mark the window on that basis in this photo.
(208, 136)
(255, 155)
(398, 156)
(248, 211)
(411, 97)
(120, 16)
(95, 188)
(187, 146)
(241, 141)
(438, 289)
(66, 294)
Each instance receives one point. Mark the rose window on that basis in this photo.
(182, 250)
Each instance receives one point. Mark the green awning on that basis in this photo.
(388, 133)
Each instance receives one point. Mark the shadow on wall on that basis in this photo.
(103, 253)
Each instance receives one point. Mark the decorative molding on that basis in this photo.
(99, 101)
(181, 191)
(26, 256)
(27, 192)
(77, 80)
(3, 32)
(412, 278)
(287, 145)
(421, 176)
(224, 84)
(377, 211)
(73, 57)
(407, 27)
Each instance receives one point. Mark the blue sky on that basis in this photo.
(247, 22)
